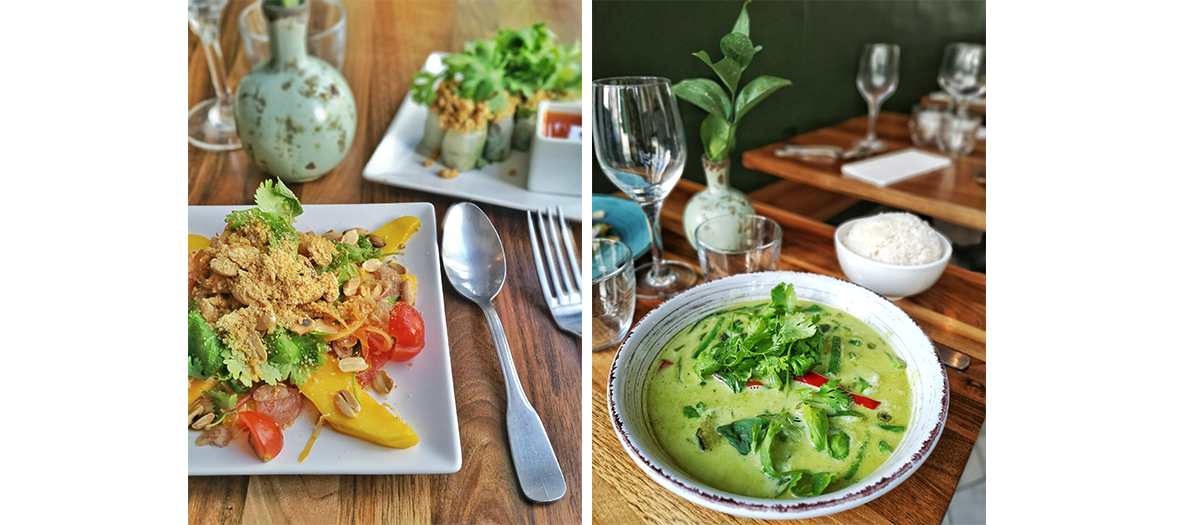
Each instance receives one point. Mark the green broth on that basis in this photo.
(866, 367)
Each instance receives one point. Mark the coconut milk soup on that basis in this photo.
(778, 400)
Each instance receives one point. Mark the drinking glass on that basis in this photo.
(925, 124)
(211, 122)
(876, 79)
(613, 292)
(963, 74)
(325, 32)
(735, 244)
(639, 143)
(956, 135)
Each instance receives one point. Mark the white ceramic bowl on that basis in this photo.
(627, 393)
(890, 280)
(555, 165)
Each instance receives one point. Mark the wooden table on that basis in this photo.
(952, 313)
(950, 194)
(387, 42)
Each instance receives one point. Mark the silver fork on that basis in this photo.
(563, 293)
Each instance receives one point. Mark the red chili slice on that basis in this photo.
(816, 380)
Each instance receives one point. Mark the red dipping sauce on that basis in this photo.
(563, 126)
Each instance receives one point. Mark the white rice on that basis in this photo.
(894, 238)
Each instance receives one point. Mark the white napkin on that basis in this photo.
(895, 167)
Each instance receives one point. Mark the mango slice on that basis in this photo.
(198, 387)
(197, 242)
(375, 423)
(397, 232)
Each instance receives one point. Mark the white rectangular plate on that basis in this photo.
(895, 167)
(425, 394)
(396, 163)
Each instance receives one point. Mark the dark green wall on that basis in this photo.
(814, 44)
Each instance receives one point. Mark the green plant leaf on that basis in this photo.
(717, 134)
(742, 26)
(727, 69)
(705, 94)
(739, 48)
(755, 92)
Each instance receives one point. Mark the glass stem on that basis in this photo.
(210, 41)
(659, 276)
(874, 109)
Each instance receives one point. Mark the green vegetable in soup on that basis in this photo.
(780, 341)
(838, 445)
(784, 439)
(817, 426)
(743, 434)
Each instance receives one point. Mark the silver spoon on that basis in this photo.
(474, 261)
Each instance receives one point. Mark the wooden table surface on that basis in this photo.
(952, 313)
(950, 194)
(387, 42)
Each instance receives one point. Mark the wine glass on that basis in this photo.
(963, 74)
(211, 122)
(876, 79)
(639, 142)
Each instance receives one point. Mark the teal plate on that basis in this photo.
(626, 220)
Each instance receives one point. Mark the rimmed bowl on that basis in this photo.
(893, 281)
(627, 392)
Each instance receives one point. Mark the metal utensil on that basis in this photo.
(832, 153)
(951, 358)
(473, 258)
(564, 297)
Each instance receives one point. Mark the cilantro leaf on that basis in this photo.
(830, 394)
(221, 401)
(277, 199)
(775, 342)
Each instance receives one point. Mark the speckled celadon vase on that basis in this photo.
(295, 114)
(717, 199)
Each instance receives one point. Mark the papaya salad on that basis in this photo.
(277, 316)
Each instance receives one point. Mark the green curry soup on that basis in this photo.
(818, 440)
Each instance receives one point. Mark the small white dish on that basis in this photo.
(627, 398)
(893, 281)
(556, 163)
(425, 394)
(395, 162)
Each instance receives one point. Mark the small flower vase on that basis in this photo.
(717, 199)
(295, 113)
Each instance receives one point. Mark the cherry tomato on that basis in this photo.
(377, 361)
(407, 329)
(265, 435)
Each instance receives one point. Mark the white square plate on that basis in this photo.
(396, 163)
(425, 394)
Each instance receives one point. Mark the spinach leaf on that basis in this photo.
(804, 484)
(743, 434)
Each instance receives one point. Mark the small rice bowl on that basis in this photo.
(894, 238)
